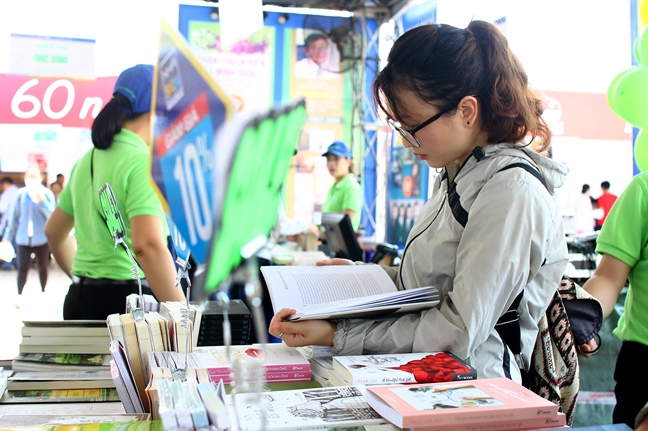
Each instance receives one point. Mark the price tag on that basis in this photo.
(189, 110)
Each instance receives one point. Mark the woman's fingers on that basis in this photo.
(335, 261)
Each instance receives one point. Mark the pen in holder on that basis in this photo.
(180, 372)
(247, 376)
(117, 230)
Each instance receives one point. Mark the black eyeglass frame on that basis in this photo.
(409, 134)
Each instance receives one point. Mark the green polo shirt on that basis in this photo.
(624, 235)
(345, 195)
(125, 166)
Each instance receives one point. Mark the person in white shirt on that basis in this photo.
(317, 63)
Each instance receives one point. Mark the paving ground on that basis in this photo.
(597, 384)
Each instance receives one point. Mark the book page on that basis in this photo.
(300, 286)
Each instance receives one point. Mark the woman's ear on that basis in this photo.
(468, 110)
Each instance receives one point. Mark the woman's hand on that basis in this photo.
(304, 333)
(335, 261)
(588, 349)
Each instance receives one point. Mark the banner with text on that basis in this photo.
(189, 109)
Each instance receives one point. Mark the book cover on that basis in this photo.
(36, 420)
(341, 291)
(65, 359)
(275, 357)
(307, 409)
(476, 401)
(60, 348)
(71, 340)
(60, 396)
(64, 331)
(101, 426)
(402, 368)
(25, 380)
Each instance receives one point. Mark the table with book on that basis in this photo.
(128, 369)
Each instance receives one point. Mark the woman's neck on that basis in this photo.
(141, 126)
(340, 178)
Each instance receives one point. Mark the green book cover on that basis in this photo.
(63, 358)
(61, 396)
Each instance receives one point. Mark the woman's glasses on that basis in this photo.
(409, 134)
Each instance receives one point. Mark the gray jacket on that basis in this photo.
(513, 239)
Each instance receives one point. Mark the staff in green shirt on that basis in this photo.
(101, 275)
(345, 196)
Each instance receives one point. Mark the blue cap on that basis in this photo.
(338, 148)
(136, 84)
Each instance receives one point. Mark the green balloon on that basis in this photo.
(611, 89)
(635, 51)
(630, 96)
(641, 150)
(641, 50)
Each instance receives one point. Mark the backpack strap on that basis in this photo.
(508, 325)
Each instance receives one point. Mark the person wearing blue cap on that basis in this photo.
(101, 276)
(345, 196)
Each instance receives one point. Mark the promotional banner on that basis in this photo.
(314, 74)
(52, 56)
(245, 70)
(407, 193)
(189, 109)
(66, 101)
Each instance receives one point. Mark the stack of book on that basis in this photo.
(61, 356)
(482, 404)
(211, 325)
(65, 336)
(280, 363)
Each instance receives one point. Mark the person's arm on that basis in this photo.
(609, 278)
(61, 244)
(350, 212)
(46, 202)
(154, 257)
(12, 220)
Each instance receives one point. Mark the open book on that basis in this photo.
(341, 291)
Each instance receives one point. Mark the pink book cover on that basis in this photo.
(474, 401)
(557, 422)
(295, 376)
(276, 358)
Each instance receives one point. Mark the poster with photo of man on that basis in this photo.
(407, 184)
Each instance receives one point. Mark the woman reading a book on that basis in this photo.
(101, 273)
(461, 102)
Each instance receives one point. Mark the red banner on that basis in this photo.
(187, 120)
(66, 101)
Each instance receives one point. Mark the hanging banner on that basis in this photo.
(245, 69)
(66, 101)
(52, 56)
(189, 109)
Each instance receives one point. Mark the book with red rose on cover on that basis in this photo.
(398, 368)
(432, 406)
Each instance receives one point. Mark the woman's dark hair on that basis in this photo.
(110, 120)
(585, 188)
(443, 64)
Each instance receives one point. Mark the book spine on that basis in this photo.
(268, 369)
(272, 377)
(476, 416)
(503, 425)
